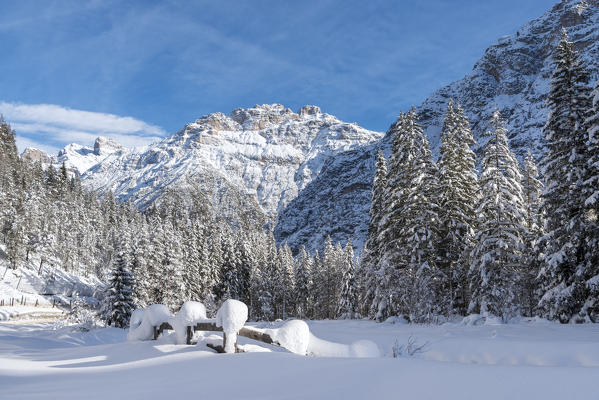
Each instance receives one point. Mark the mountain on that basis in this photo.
(77, 158)
(255, 159)
(82, 158)
(514, 76)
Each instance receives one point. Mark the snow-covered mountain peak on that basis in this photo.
(81, 158)
(36, 155)
(266, 152)
(104, 146)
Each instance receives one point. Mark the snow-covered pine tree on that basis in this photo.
(385, 274)
(172, 282)
(229, 283)
(316, 285)
(418, 290)
(119, 302)
(565, 168)
(370, 270)
(532, 189)
(348, 304)
(303, 284)
(191, 262)
(140, 269)
(155, 257)
(590, 307)
(496, 259)
(286, 282)
(266, 280)
(457, 197)
(328, 281)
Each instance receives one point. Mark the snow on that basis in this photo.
(231, 316)
(525, 360)
(8, 313)
(359, 349)
(191, 312)
(293, 335)
(143, 321)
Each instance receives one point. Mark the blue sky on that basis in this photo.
(138, 71)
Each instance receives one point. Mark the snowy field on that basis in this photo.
(529, 360)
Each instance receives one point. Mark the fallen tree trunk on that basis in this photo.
(208, 326)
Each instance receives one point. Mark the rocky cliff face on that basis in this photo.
(37, 155)
(514, 76)
(81, 158)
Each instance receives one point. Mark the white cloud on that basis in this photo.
(48, 126)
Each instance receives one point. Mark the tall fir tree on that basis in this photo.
(534, 223)
(496, 259)
(565, 168)
(303, 284)
(418, 293)
(590, 194)
(458, 198)
(119, 302)
(370, 271)
(384, 275)
(348, 304)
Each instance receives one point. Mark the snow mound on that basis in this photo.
(143, 321)
(231, 316)
(293, 335)
(364, 349)
(191, 312)
(397, 320)
(360, 349)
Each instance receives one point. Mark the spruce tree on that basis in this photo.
(348, 305)
(590, 193)
(303, 284)
(384, 278)
(532, 189)
(119, 302)
(371, 256)
(418, 293)
(496, 259)
(565, 168)
(457, 197)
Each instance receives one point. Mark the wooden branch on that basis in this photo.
(216, 347)
(165, 326)
(252, 333)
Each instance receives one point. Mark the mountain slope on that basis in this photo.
(514, 76)
(258, 158)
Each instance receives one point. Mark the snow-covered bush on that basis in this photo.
(81, 318)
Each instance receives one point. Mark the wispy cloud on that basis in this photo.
(50, 126)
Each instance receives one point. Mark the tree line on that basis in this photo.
(179, 249)
(447, 240)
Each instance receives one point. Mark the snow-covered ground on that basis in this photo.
(528, 360)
